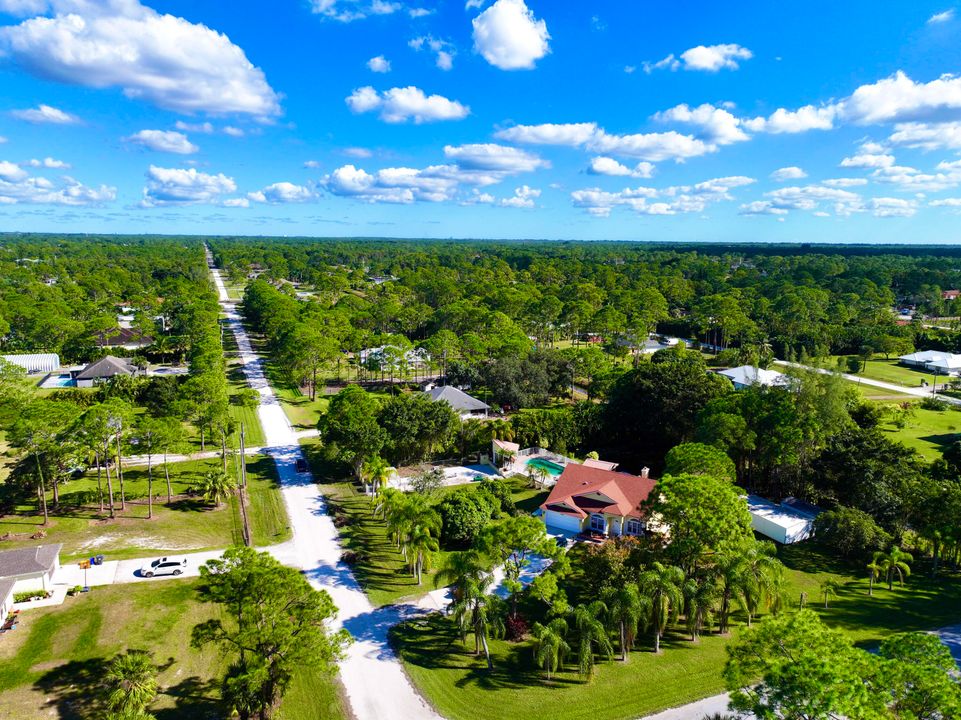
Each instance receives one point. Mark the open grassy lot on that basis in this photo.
(188, 524)
(458, 685)
(892, 372)
(927, 431)
(52, 662)
(382, 570)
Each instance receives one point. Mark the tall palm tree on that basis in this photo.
(130, 684)
(896, 563)
(550, 647)
(829, 588)
(473, 608)
(627, 609)
(760, 567)
(420, 549)
(216, 487)
(592, 632)
(875, 568)
(663, 585)
(701, 597)
(732, 575)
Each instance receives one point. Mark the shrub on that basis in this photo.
(499, 493)
(516, 628)
(28, 595)
(463, 516)
(933, 403)
(850, 532)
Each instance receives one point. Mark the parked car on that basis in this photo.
(164, 566)
(301, 465)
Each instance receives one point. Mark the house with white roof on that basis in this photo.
(936, 361)
(749, 375)
(790, 522)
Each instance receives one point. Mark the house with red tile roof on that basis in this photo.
(594, 499)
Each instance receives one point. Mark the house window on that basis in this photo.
(633, 527)
(598, 524)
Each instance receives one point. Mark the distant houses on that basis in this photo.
(936, 361)
(749, 376)
(595, 500)
(389, 357)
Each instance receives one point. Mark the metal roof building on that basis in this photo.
(35, 363)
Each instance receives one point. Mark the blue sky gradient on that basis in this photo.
(267, 118)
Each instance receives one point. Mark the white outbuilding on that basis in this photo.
(749, 375)
(783, 523)
(35, 363)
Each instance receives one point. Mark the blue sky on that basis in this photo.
(507, 119)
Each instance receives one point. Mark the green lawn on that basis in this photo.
(927, 431)
(459, 686)
(893, 372)
(382, 570)
(188, 524)
(50, 664)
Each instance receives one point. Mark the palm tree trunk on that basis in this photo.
(109, 481)
(487, 652)
(871, 585)
(623, 642)
(123, 499)
(99, 482)
(42, 490)
(657, 641)
(167, 476)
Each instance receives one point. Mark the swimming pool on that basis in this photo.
(552, 467)
(59, 381)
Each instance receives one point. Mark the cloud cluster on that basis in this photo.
(819, 199)
(161, 59)
(602, 165)
(473, 166)
(704, 58)
(443, 50)
(178, 186)
(282, 193)
(399, 105)
(672, 200)
(17, 186)
(351, 10)
(163, 141)
(48, 163)
(509, 37)
(788, 173)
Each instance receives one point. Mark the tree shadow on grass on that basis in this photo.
(193, 698)
(71, 688)
(942, 440)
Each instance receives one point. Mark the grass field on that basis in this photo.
(892, 372)
(188, 524)
(52, 662)
(459, 686)
(383, 570)
(927, 431)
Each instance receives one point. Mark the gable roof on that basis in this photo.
(457, 399)
(29, 560)
(750, 375)
(622, 493)
(106, 367)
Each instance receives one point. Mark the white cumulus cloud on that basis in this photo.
(609, 166)
(161, 59)
(18, 186)
(179, 186)
(350, 10)
(868, 160)
(49, 163)
(46, 114)
(524, 197)
(788, 173)
(715, 124)
(399, 105)
(509, 37)
(941, 17)
(163, 141)
(282, 193)
(801, 120)
(444, 51)
(704, 58)
(379, 64)
(673, 200)
(927, 136)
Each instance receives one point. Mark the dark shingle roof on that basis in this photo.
(457, 399)
(28, 560)
(106, 367)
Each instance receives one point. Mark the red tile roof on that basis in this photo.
(626, 492)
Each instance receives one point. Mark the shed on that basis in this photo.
(6, 598)
(781, 523)
(35, 363)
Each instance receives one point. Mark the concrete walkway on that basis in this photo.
(373, 678)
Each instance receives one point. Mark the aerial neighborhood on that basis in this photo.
(480, 360)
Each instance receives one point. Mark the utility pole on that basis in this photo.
(243, 488)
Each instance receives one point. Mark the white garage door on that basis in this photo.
(561, 521)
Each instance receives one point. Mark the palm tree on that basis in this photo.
(874, 568)
(216, 487)
(760, 567)
(130, 684)
(627, 608)
(829, 589)
(376, 471)
(590, 628)
(420, 547)
(701, 600)
(896, 563)
(663, 585)
(732, 574)
(473, 609)
(550, 647)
